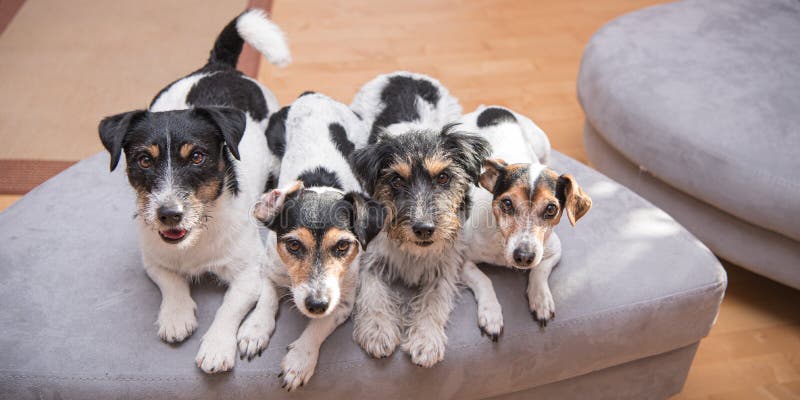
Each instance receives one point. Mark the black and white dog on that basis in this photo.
(320, 225)
(198, 160)
(512, 220)
(421, 169)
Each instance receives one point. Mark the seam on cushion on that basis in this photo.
(753, 175)
(358, 363)
(654, 175)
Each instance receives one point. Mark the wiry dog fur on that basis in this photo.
(198, 160)
(422, 172)
(512, 220)
(320, 225)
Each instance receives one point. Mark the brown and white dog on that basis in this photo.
(512, 224)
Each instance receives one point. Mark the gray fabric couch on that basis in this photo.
(634, 293)
(695, 105)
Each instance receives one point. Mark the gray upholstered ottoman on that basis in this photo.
(696, 106)
(634, 294)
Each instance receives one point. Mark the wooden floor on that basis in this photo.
(525, 54)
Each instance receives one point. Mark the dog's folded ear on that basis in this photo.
(467, 149)
(113, 130)
(230, 123)
(492, 170)
(367, 217)
(574, 201)
(271, 203)
(369, 162)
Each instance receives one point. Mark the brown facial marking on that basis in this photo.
(529, 205)
(154, 150)
(186, 150)
(299, 267)
(209, 191)
(402, 168)
(335, 265)
(435, 165)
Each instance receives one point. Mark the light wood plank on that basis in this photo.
(7, 199)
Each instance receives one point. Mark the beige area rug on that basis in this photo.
(66, 64)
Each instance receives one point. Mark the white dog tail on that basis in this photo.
(253, 27)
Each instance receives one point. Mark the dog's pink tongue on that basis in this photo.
(174, 233)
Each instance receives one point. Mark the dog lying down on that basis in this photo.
(320, 225)
(421, 170)
(197, 160)
(522, 202)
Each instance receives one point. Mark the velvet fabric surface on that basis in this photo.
(78, 310)
(703, 94)
(761, 250)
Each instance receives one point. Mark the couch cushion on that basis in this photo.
(704, 95)
(78, 309)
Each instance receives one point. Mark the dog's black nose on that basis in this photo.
(169, 215)
(316, 306)
(423, 230)
(523, 257)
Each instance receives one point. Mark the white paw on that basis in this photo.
(217, 353)
(254, 336)
(298, 365)
(176, 321)
(378, 336)
(542, 306)
(490, 320)
(425, 346)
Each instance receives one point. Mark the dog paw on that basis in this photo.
(425, 347)
(217, 353)
(543, 309)
(490, 320)
(177, 321)
(253, 336)
(298, 365)
(377, 337)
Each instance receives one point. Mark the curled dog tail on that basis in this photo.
(253, 27)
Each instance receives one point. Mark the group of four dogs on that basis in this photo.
(397, 187)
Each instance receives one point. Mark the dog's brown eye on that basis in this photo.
(442, 178)
(293, 245)
(342, 246)
(397, 182)
(507, 206)
(145, 162)
(550, 211)
(198, 158)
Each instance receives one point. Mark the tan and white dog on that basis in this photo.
(512, 220)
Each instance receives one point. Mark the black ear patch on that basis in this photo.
(399, 97)
(230, 122)
(369, 162)
(340, 140)
(467, 150)
(276, 132)
(320, 176)
(367, 217)
(307, 92)
(493, 116)
(113, 130)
